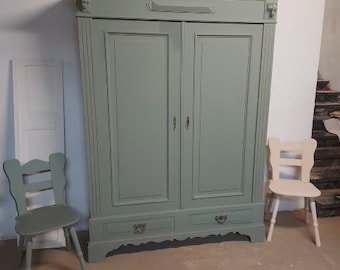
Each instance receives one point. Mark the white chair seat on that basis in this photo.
(294, 188)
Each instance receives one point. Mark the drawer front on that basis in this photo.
(138, 227)
(184, 10)
(221, 218)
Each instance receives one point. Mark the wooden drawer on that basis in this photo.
(221, 218)
(138, 227)
(183, 10)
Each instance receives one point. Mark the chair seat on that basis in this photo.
(45, 219)
(294, 188)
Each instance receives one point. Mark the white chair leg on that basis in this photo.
(315, 223)
(307, 210)
(28, 253)
(273, 219)
(268, 205)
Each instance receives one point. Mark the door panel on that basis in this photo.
(137, 104)
(222, 76)
(139, 116)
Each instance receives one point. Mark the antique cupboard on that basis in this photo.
(176, 97)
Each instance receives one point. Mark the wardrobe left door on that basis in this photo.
(136, 67)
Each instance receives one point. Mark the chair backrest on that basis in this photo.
(291, 154)
(16, 174)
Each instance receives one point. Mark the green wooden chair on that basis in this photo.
(30, 223)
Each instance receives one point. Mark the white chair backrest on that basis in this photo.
(291, 154)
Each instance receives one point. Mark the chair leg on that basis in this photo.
(28, 253)
(315, 223)
(77, 248)
(273, 219)
(20, 250)
(307, 208)
(268, 205)
(67, 239)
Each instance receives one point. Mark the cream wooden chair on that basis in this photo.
(293, 154)
(30, 223)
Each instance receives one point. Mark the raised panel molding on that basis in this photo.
(137, 98)
(213, 100)
(139, 115)
(223, 132)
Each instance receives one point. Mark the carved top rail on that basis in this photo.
(245, 11)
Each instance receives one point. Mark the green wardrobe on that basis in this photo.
(176, 97)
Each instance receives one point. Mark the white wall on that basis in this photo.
(295, 68)
(42, 29)
(47, 28)
(329, 67)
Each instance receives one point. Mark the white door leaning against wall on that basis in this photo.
(39, 124)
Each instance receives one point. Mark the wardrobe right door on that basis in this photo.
(221, 67)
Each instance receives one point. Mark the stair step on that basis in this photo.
(326, 205)
(327, 197)
(322, 84)
(318, 122)
(327, 153)
(326, 162)
(327, 96)
(330, 211)
(324, 108)
(325, 184)
(326, 177)
(325, 139)
(321, 173)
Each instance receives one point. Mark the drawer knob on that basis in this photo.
(221, 219)
(139, 228)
